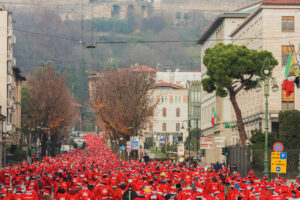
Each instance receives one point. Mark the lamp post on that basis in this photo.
(299, 169)
(2, 119)
(197, 135)
(266, 77)
(189, 127)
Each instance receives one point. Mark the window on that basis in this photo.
(177, 112)
(192, 96)
(288, 24)
(171, 99)
(9, 115)
(177, 126)
(151, 126)
(164, 127)
(164, 112)
(287, 103)
(285, 50)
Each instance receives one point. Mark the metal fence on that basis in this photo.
(246, 158)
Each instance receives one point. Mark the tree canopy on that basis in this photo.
(47, 102)
(232, 68)
(122, 102)
(289, 128)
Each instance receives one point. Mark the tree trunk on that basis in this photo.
(53, 145)
(239, 118)
(44, 145)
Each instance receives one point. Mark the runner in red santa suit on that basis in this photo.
(103, 190)
(62, 194)
(18, 195)
(116, 193)
(186, 194)
(85, 193)
(29, 194)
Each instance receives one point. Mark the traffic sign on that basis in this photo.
(134, 143)
(128, 150)
(180, 150)
(278, 147)
(278, 162)
(161, 138)
(122, 148)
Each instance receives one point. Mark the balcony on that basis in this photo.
(13, 40)
(9, 128)
(9, 55)
(13, 62)
(10, 31)
(9, 69)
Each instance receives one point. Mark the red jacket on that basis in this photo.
(116, 195)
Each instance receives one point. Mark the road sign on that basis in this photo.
(128, 150)
(220, 141)
(134, 143)
(278, 162)
(122, 148)
(161, 138)
(278, 147)
(180, 149)
(128, 143)
(283, 155)
(206, 142)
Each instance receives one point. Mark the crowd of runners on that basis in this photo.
(97, 173)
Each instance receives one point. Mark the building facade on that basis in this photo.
(218, 31)
(177, 77)
(170, 114)
(267, 25)
(274, 27)
(10, 79)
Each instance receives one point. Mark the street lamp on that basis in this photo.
(189, 127)
(2, 119)
(299, 169)
(266, 77)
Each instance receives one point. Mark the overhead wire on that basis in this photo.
(154, 41)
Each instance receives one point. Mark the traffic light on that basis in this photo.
(225, 151)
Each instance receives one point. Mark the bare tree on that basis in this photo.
(49, 105)
(123, 103)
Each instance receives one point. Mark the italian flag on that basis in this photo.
(288, 65)
(213, 116)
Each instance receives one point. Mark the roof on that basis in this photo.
(235, 31)
(210, 29)
(281, 2)
(156, 85)
(143, 68)
(251, 5)
(265, 2)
